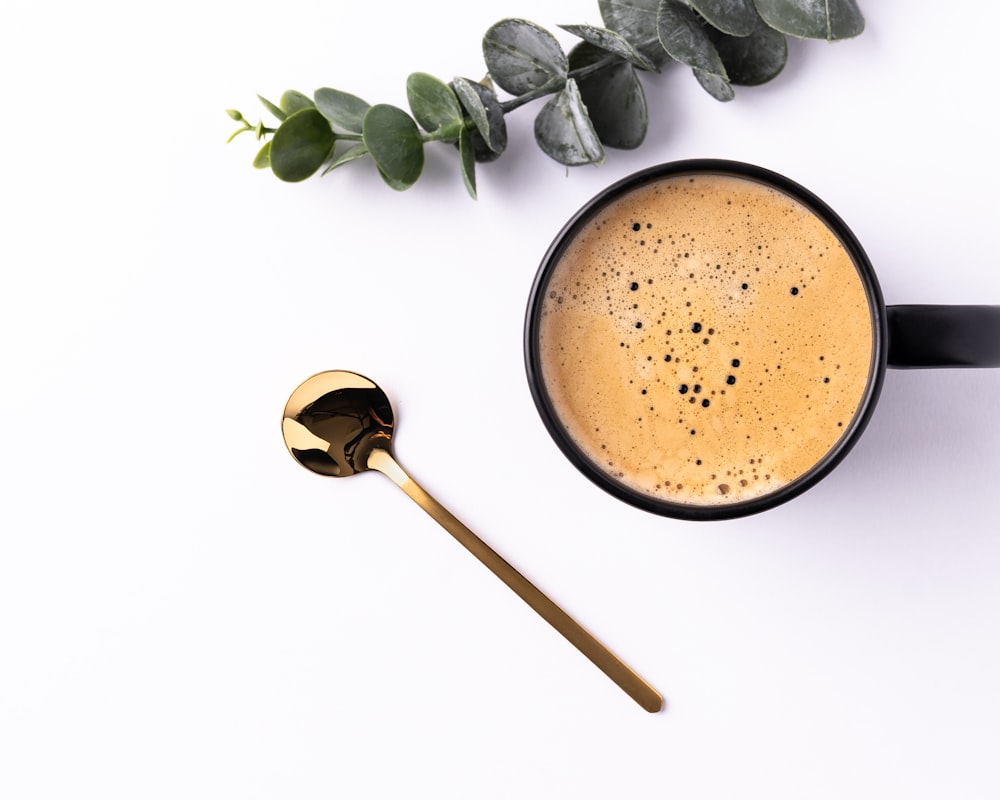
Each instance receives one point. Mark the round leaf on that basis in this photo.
(685, 38)
(611, 42)
(484, 154)
(613, 96)
(342, 109)
(394, 143)
(481, 104)
(564, 131)
(281, 115)
(521, 56)
(754, 59)
(350, 154)
(432, 102)
(735, 17)
(715, 85)
(263, 158)
(831, 19)
(300, 145)
(468, 159)
(635, 20)
(292, 101)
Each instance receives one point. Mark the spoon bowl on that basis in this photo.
(334, 420)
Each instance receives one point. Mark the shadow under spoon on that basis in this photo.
(340, 423)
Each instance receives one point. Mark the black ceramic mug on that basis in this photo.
(707, 339)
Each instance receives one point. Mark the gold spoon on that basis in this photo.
(339, 423)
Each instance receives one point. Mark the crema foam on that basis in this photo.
(705, 339)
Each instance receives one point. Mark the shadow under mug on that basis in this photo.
(902, 336)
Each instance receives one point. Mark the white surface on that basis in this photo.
(184, 612)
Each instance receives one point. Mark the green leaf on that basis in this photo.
(613, 96)
(350, 154)
(263, 158)
(715, 85)
(810, 19)
(754, 59)
(685, 38)
(521, 56)
(564, 131)
(281, 115)
(468, 158)
(481, 104)
(612, 42)
(735, 17)
(636, 21)
(300, 145)
(292, 101)
(394, 143)
(432, 102)
(342, 109)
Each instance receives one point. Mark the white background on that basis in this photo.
(185, 612)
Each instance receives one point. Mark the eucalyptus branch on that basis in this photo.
(596, 99)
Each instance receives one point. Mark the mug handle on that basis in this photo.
(922, 336)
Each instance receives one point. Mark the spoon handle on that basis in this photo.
(633, 685)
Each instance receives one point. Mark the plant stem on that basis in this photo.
(516, 102)
(582, 72)
(556, 86)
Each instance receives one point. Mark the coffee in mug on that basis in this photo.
(706, 339)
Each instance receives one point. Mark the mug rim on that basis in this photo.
(693, 511)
